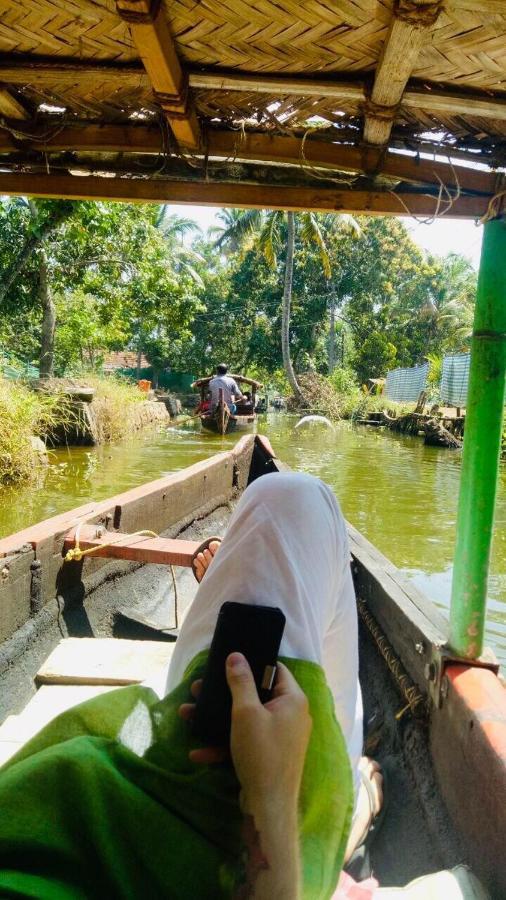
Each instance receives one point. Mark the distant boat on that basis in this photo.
(221, 420)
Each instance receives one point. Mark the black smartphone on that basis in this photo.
(255, 631)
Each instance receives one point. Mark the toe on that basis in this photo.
(200, 566)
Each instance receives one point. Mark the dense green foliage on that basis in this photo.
(131, 276)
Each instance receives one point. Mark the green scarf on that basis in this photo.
(104, 802)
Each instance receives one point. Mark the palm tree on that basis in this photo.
(174, 229)
(449, 307)
(243, 227)
(239, 230)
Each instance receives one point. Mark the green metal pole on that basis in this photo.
(482, 443)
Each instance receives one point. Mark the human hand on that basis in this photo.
(268, 742)
(268, 745)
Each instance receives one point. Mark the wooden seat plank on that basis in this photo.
(105, 661)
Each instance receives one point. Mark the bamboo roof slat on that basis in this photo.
(360, 73)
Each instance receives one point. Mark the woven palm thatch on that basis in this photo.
(363, 73)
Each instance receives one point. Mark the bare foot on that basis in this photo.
(204, 560)
(369, 804)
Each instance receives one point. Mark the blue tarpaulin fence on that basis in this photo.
(404, 385)
(13, 368)
(455, 378)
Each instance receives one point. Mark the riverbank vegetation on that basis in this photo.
(288, 298)
(24, 415)
(50, 415)
(81, 278)
(115, 405)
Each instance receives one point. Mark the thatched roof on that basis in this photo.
(284, 104)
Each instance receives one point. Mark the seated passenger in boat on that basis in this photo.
(204, 405)
(245, 406)
(227, 384)
(116, 798)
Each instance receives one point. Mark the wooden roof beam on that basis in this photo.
(454, 102)
(151, 35)
(10, 106)
(410, 25)
(259, 147)
(254, 146)
(231, 194)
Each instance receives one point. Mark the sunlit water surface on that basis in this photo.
(399, 493)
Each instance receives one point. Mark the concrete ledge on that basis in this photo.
(468, 745)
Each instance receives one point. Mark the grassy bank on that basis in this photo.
(25, 413)
(341, 397)
(114, 405)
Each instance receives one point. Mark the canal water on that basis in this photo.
(397, 492)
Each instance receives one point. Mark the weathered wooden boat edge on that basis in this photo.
(466, 727)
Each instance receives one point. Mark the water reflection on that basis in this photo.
(400, 494)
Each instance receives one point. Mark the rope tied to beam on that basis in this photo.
(76, 553)
(421, 15)
(439, 200)
(378, 111)
(176, 105)
(314, 172)
(495, 208)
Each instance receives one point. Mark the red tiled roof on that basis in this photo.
(124, 359)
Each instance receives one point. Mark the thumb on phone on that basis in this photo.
(241, 682)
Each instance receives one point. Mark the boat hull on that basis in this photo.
(446, 763)
(233, 423)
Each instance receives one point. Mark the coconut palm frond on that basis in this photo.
(240, 226)
(173, 226)
(269, 237)
(310, 231)
(194, 275)
(349, 223)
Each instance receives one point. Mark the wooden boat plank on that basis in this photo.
(359, 545)
(104, 661)
(139, 548)
(412, 628)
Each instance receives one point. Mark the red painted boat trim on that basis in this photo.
(468, 743)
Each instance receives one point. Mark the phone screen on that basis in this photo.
(255, 631)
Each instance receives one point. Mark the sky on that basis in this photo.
(442, 237)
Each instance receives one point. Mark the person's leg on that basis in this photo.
(286, 546)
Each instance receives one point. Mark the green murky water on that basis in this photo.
(400, 494)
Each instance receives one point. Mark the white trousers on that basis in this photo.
(286, 545)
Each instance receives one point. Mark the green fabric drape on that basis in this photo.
(104, 802)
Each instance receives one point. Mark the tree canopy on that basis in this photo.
(124, 276)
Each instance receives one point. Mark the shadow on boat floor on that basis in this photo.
(417, 835)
